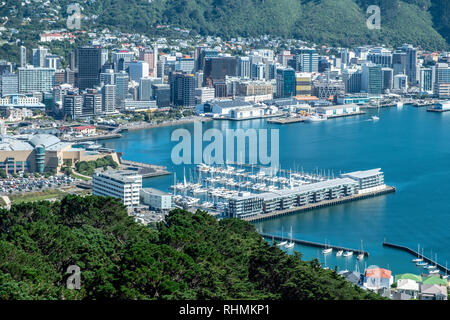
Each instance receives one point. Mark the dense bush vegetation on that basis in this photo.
(87, 168)
(191, 256)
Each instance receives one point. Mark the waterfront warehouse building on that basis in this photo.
(42, 152)
(156, 199)
(122, 184)
(339, 110)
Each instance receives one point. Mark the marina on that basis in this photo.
(316, 244)
(341, 144)
(265, 193)
(425, 259)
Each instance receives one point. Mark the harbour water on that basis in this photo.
(411, 146)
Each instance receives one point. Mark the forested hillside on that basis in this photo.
(191, 256)
(420, 22)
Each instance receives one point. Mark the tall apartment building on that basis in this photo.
(303, 84)
(138, 70)
(426, 82)
(352, 80)
(442, 80)
(121, 184)
(9, 84)
(23, 57)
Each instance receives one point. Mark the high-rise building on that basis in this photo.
(204, 54)
(9, 84)
(23, 56)
(307, 60)
(109, 98)
(122, 59)
(244, 67)
(73, 105)
(217, 68)
(145, 88)
(411, 62)
(121, 81)
(380, 56)
(303, 84)
(138, 70)
(442, 80)
(198, 79)
(36, 79)
(52, 61)
(258, 71)
(286, 83)
(89, 67)
(161, 93)
(401, 82)
(107, 77)
(38, 56)
(185, 64)
(92, 103)
(372, 79)
(399, 62)
(426, 83)
(388, 78)
(182, 89)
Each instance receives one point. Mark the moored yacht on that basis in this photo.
(348, 253)
(339, 253)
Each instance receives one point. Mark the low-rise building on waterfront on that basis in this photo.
(156, 199)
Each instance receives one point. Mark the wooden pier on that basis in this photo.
(313, 244)
(417, 254)
(326, 203)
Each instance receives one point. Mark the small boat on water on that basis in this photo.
(361, 254)
(375, 118)
(433, 271)
(400, 104)
(282, 243)
(327, 249)
(422, 264)
(339, 253)
(419, 259)
(291, 244)
(348, 253)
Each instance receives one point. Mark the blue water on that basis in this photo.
(411, 146)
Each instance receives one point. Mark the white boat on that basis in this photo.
(422, 264)
(316, 118)
(433, 271)
(400, 104)
(339, 253)
(418, 259)
(375, 118)
(430, 267)
(361, 255)
(291, 244)
(282, 243)
(348, 253)
(327, 250)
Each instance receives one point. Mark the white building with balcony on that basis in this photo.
(122, 184)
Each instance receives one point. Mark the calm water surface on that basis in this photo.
(411, 146)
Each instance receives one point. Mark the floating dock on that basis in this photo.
(314, 244)
(417, 254)
(322, 204)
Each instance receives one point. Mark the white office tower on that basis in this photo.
(122, 184)
(155, 60)
(23, 56)
(109, 98)
(107, 77)
(146, 88)
(138, 70)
